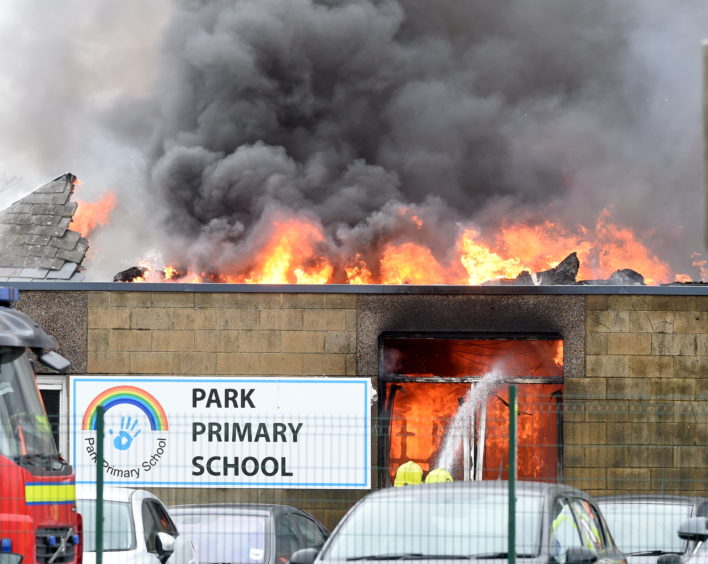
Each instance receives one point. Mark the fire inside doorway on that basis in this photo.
(445, 405)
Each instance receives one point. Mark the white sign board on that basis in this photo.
(223, 432)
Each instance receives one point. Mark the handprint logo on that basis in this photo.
(126, 436)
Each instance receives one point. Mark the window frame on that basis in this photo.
(52, 382)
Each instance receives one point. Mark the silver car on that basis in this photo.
(137, 528)
(695, 531)
(645, 525)
(469, 521)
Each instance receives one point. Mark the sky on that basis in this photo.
(211, 118)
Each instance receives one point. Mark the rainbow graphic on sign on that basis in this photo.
(127, 395)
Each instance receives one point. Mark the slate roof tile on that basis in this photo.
(64, 273)
(36, 241)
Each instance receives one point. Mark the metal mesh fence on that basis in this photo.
(243, 485)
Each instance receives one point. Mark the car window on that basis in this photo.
(468, 523)
(164, 521)
(118, 530)
(645, 526)
(286, 539)
(309, 531)
(155, 520)
(589, 525)
(149, 526)
(702, 510)
(229, 537)
(564, 530)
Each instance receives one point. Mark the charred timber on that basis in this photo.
(624, 277)
(130, 274)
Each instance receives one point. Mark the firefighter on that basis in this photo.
(408, 474)
(438, 476)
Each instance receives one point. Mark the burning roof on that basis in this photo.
(35, 240)
(392, 142)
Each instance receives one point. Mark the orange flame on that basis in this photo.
(358, 273)
(558, 357)
(409, 263)
(91, 215)
(293, 254)
(482, 264)
(286, 255)
(601, 251)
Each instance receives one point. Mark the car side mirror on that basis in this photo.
(580, 555)
(304, 556)
(165, 546)
(669, 559)
(695, 529)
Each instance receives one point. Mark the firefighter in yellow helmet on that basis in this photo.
(408, 474)
(438, 476)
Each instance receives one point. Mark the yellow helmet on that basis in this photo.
(437, 476)
(408, 474)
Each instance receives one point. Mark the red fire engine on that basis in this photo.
(38, 518)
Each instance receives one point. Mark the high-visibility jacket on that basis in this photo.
(408, 474)
(437, 476)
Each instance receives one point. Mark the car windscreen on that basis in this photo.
(649, 526)
(118, 528)
(24, 427)
(437, 523)
(224, 537)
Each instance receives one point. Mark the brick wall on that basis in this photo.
(638, 421)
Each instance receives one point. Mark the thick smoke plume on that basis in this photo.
(478, 111)
(345, 112)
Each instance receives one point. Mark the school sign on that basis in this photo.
(224, 432)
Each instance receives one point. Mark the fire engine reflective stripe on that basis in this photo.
(47, 494)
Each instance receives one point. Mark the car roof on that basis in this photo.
(489, 486)
(111, 493)
(652, 498)
(232, 508)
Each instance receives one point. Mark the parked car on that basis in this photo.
(645, 526)
(248, 534)
(695, 531)
(137, 528)
(469, 521)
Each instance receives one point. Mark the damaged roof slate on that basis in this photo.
(35, 240)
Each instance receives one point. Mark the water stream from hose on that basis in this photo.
(459, 427)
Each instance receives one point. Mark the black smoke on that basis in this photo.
(464, 110)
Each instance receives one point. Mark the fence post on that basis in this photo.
(512, 475)
(100, 412)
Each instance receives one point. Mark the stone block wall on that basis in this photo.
(221, 333)
(638, 421)
(202, 334)
(636, 366)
